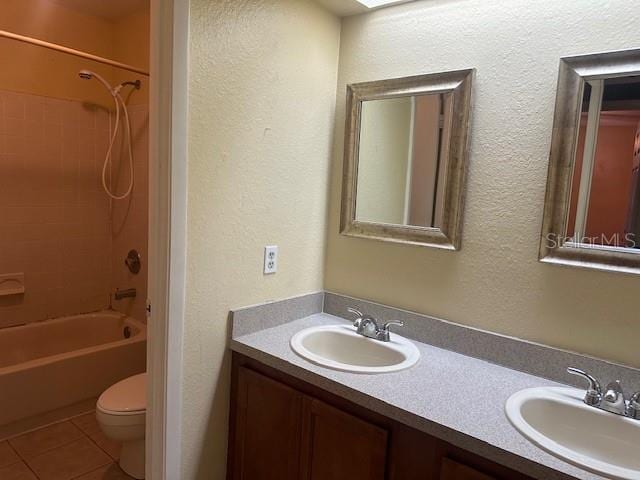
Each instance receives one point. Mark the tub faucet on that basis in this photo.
(127, 293)
(367, 326)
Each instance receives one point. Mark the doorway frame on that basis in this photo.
(168, 148)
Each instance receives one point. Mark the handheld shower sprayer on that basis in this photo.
(88, 75)
(118, 101)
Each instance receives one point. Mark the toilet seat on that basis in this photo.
(125, 398)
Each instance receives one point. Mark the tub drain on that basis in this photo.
(127, 332)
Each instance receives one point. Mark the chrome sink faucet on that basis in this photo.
(612, 399)
(367, 326)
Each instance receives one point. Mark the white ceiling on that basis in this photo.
(344, 8)
(108, 9)
(116, 9)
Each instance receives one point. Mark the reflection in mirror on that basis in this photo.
(592, 205)
(405, 157)
(402, 160)
(604, 206)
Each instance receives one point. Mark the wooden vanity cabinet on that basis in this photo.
(281, 434)
(336, 445)
(268, 427)
(281, 428)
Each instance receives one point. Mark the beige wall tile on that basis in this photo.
(54, 216)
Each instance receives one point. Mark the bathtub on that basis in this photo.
(48, 365)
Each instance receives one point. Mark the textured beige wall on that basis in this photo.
(262, 102)
(495, 282)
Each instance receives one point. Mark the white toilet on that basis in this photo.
(121, 412)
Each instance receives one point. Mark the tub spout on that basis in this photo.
(127, 293)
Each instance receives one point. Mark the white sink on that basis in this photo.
(557, 420)
(341, 348)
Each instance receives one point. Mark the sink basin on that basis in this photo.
(341, 348)
(557, 420)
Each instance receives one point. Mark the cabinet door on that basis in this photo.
(268, 427)
(339, 446)
(452, 470)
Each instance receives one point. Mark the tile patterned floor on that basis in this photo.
(75, 449)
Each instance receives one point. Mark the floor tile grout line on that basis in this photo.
(111, 460)
(91, 471)
(19, 458)
(96, 443)
(102, 449)
(22, 460)
(83, 435)
(80, 428)
(46, 425)
(94, 469)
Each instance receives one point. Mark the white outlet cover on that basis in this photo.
(270, 259)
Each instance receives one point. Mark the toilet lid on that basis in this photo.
(126, 396)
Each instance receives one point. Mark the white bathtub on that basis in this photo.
(56, 363)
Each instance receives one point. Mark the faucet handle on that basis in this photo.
(393, 322)
(384, 331)
(593, 396)
(613, 391)
(633, 410)
(358, 321)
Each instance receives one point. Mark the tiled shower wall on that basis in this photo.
(55, 219)
(130, 217)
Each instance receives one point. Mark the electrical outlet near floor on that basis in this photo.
(270, 259)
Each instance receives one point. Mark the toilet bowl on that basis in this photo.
(121, 412)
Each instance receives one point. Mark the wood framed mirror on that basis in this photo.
(592, 205)
(405, 159)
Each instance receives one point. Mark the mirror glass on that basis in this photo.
(604, 206)
(402, 158)
(405, 157)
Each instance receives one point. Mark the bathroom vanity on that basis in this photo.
(286, 429)
(442, 418)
